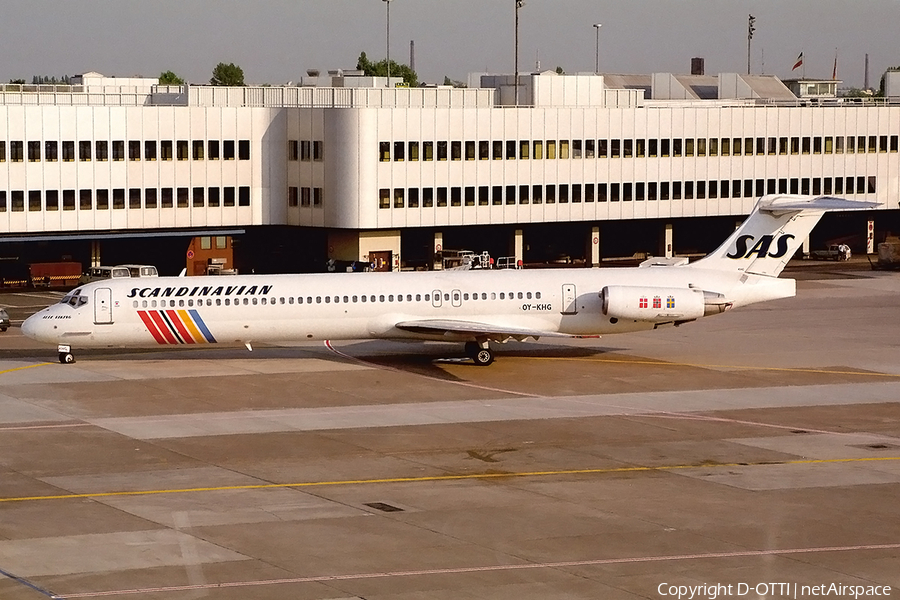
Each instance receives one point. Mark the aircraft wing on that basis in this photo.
(489, 331)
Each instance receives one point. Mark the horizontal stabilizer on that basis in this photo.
(779, 204)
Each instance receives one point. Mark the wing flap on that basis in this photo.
(475, 329)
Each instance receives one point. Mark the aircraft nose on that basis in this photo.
(31, 326)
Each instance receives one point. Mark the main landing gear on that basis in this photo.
(65, 355)
(480, 353)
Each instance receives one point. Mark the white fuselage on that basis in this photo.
(148, 312)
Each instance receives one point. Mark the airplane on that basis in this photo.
(472, 307)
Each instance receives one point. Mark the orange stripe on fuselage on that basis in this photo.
(189, 323)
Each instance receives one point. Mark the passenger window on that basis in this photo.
(227, 301)
(399, 297)
(427, 297)
(327, 299)
(528, 295)
(418, 297)
(493, 295)
(337, 299)
(520, 295)
(381, 298)
(218, 302)
(502, 296)
(291, 300)
(355, 298)
(363, 298)
(390, 298)
(537, 295)
(409, 297)
(181, 303)
(190, 302)
(153, 304)
(255, 301)
(372, 298)
(465, 296)
(318, 299)
(134, 304)
(447, 297)
(263, 301)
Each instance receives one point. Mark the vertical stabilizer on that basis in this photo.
(772, 233)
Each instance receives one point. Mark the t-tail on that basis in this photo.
(773, 232)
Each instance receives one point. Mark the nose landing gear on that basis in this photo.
(65, 354)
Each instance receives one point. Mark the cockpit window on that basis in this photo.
(74, 299)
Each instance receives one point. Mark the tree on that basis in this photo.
(380, 69)
(19, 81)
(229, 74)
(453, 82)
(170, 78)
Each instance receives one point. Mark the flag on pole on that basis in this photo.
(798, 63)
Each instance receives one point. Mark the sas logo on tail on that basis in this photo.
(761, 247)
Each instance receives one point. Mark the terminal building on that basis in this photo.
(552, 168)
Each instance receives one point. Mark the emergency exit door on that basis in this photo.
(569, 299)
(103, 306)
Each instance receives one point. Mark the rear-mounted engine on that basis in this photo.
(660, 305)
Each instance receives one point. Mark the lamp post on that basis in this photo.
(751, 21)
(388, 42)
(597, 67)
(519, 4)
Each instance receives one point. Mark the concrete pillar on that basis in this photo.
(519, 246)
(95, 253)
(438, 249)
(666, 243)
(806, 246)
(594, 245)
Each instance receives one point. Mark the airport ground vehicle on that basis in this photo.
(4, 319)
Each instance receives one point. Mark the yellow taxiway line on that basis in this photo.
(457, 477)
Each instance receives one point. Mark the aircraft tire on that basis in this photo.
(66, 358)
(483, 357)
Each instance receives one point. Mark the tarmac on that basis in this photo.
(760, 448)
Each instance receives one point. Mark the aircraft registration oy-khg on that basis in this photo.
(470, 307)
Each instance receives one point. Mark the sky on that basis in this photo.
(276, 41)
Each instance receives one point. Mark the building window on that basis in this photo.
(413, 151)
(442, 150)
(428, 151)
(441, 197)
(51, 151)
(244, 195)
(576, 148)
(523, 194)
(456, 150)
(17, 201)
(68, 151)
(497, 150)
(150, 198)
(725, 147)
(412, 200)
(615, 149)
(150, 150)
(399, 151)
(304, 196)
(510, 150)
(134, 198)
(628, 149)
(34, 200)
(199, 194)
(244, 150)
(306, 151)
(118, 199)
(165, 150)
(228, 149)
(293, 195)
(398, 198)
(84, 151)
(134, 150)
(384, 151)
(701, 147)
(470, 196)
(537, 150)
(428, 198)
(197, 149)
(564, 149)
(34, 151)
(228, 196)
(483, 195)
(52, 200)
(484, 150)
(15, 151)
(166, 198)
(551, 194)
(85, 200)
(181, 150)
(589, 148)
(212, 197)
(3, 153)
(589, 192)
(470, 150)
(455, 196)
(384, 198)
(213, 149)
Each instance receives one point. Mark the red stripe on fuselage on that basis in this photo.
(163, 328)
(151, 327)
(182, 330)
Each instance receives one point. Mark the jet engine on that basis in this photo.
(659, 304)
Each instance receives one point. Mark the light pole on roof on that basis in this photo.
(597, 26)
(388, 42)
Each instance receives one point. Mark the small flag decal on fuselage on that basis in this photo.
(176, 326)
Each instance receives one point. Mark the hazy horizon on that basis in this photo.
(276, 41)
